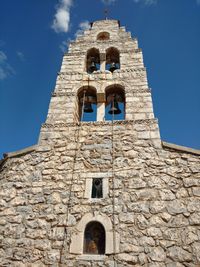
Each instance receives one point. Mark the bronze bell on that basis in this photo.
(114, 108)
(88, 107)
(113, 66)
(93, 66)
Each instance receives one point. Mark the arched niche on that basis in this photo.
(111, 238)
(94, 239)
(112, 59)
(87, 103)
(115, 102)
(103, 36)
(92, 60)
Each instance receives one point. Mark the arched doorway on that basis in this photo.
(94, 239)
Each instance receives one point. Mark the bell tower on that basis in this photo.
(103, 78)
(100, 119)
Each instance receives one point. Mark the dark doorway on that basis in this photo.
(94, 239)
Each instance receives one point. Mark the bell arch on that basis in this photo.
(112, 59)
(92, 60)
(103, 36)
(87, 103)
(115, 102)
(94, 239)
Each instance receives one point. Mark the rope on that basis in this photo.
(77, 137)
(113, 184)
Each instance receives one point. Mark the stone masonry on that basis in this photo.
(151, 205)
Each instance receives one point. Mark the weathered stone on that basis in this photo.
(176, 207)
(157, 254)
(131, 248)
(166, 194)
(146, 241)
(154, 232)
(124, 257)
(196, 191)
(179, 255)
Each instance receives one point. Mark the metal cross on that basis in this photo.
(106, 11)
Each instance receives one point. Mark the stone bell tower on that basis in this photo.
(100, 189)
(100, 119)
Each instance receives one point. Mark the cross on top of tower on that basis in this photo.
(106, 12)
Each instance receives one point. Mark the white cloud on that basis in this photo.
(64, 45)
(5, 69)
(84, 25)
(3, 57)
(62, 17)
(146, 2)
(20, 55)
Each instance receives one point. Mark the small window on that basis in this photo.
(102, 36)
(94, 239)
(97, 188)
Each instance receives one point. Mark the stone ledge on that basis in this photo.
(102, 123)
(90, 257)
(180, 148)
(134, 69)
(72, 94)
(20, 152)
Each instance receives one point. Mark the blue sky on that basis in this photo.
(34, 34)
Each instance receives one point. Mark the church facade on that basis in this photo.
(101, 189)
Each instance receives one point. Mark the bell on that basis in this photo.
(114, 108)
(93, 66)
(97, 188)
(113, 66)
(88, 108)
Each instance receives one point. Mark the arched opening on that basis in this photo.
(103, 36)
(93, 60)
(94, 239)
(87, 103)
(112, 59)
(115, 103)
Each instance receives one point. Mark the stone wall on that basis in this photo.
(155, 191)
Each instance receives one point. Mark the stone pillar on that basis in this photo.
(102, 61)
(100, 106)
(100, 111)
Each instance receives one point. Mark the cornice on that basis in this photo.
(122, 51)
(137, 72)
(56, 94)
(73, 94)
(174, 147)
(99, 123)
(134, 69)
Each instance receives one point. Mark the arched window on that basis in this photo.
(112, 59)
(94, 239)
(93, 60)
(87, 103)
(103, 36)
(115, 103)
